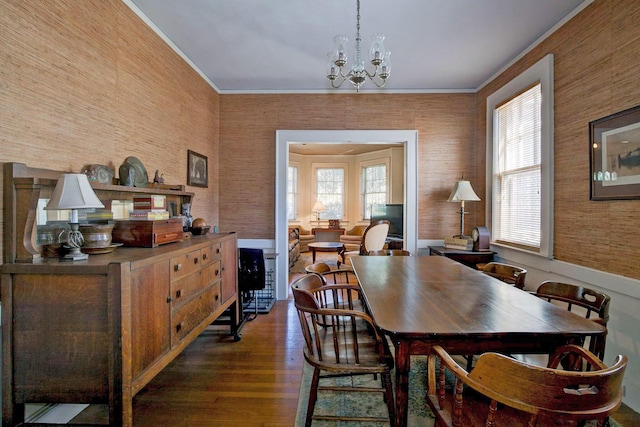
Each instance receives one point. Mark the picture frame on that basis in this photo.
(614, 156)
(197, 169)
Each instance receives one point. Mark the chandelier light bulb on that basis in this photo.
(377, 52)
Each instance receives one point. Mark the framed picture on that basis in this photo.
(614, 147)
(197, 169)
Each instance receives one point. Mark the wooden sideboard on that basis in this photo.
(97, 331)
(469, 258)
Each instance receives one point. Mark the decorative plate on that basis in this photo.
(141, 179)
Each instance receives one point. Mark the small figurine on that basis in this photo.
(158, 179)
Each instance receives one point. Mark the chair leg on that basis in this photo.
(313, 396)
(388, 394)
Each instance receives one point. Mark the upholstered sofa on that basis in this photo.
(352, 238)
(305, 237)
(294, 245)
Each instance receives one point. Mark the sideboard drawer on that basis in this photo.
(184, 265)
(190, 315)
(210, 253)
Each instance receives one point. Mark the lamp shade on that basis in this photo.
(73, 191)
(463, 192)
(318, 206)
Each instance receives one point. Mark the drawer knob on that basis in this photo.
(195, 260)
(217, 297)
(179, 293)
(178, 327)
(169, 299)
(177, 267)
(204, 256)
(217, 272)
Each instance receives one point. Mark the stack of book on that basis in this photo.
(462, 243)
(152, 207)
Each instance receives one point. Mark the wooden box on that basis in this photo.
(147, 233)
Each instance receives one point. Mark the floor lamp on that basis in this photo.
(463, 192)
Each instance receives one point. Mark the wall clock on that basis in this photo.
(481, 238)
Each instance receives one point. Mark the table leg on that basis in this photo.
(403, 363)
(313, 255)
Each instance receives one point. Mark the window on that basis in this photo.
(374, 186)
(521, 140)
(330, 190)
(517, 175)
(292, 192)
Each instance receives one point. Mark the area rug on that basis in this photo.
(371, 404)
(330, 258)
(367, 404)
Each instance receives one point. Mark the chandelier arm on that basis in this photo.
(336, 86)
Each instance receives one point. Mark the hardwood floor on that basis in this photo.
(253, 382)
(218, 382)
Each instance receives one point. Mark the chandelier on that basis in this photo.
(379, 58)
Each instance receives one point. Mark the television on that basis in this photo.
(394, 213)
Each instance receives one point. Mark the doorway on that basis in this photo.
(286, 137)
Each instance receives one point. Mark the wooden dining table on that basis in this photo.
(421, 301)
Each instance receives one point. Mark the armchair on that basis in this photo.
(306, 237)
(352, 238)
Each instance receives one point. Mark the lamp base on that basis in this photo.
(76, 255)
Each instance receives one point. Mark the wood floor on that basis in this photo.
(253, 382)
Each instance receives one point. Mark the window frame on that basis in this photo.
(541, 72)
(345, 195)
(363, 166)
(295, 191)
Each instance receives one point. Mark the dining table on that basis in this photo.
(422, 301)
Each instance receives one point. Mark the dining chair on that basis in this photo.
(507, 273)
(587, 302)
(502, 391)
(390, 252)
(348, 344)
(325, 270)
(373, 238)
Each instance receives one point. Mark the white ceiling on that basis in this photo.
(280, 46)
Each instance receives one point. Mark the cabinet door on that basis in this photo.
(150, 315)
(229, 262)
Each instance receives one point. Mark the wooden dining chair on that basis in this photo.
(348, 344)
(507, 273)
(590, 303)
(502, 391)
(325, 270)
(390, 252)
(373, 238)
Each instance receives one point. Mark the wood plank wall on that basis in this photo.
(445, 124)
(597, 73)
(88, 82)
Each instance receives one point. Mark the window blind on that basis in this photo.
(517, 175)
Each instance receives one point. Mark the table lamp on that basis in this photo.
(317, 208)
(74, 192)
(463, 192)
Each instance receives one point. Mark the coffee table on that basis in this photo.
(326, 247)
